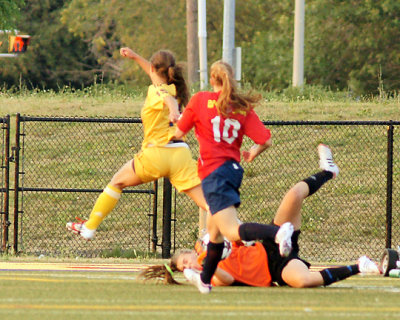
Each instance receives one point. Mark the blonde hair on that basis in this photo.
(230, 99)
(164, 272)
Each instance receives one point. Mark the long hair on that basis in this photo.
(166, 67)
(161, 272)
(230, 99)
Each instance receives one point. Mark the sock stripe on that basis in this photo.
(329, 274)
(113, 192)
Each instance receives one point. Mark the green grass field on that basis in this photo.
(120, 295)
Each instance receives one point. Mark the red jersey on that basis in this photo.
(220, 138)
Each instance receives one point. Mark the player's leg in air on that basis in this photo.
(296, 273)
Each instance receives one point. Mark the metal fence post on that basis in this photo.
(16, 181)
(6, 204)
(389, 186)
(167, 205)
(154, 238)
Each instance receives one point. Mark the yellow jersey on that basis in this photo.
(155, 116)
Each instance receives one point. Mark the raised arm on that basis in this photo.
(142, 62)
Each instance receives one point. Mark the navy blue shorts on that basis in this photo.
(221, 187)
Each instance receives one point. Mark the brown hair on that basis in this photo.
(161, 272)
(165, 66)
(230, 98)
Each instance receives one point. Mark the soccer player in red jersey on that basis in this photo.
(221, 118)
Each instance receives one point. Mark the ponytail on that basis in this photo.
(163, 273)
(230, 99)
(175, 76)
(164, 64)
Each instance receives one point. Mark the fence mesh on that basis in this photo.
(64, 166)
(343, 220)
(347, 216)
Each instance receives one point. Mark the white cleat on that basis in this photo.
(194, 278)
(284, 239)
(326, 160)
(80, 229)
(367, 266)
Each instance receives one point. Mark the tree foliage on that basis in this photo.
(9, 13)
(348, 44)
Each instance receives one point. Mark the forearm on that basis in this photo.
(179, 133)
(173, 108)
(256, 150)
(259, 148)
(142, 62)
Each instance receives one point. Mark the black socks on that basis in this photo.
(332, 275)
(214, 254)
(257, 231)
(316, 181)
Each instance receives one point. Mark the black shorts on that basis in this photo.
(276, 262)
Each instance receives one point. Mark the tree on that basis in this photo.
(192, 41)
(55, 57)
(9, 13)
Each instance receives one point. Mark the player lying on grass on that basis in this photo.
(261, 264)
(161, 155)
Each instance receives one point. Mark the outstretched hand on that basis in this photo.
(127, 52)
(249, 156)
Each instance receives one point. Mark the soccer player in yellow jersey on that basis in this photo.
(161, 155)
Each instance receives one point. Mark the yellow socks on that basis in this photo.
(103, 206)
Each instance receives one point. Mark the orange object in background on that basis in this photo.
(17, 44)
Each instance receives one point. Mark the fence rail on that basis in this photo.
(61, 164)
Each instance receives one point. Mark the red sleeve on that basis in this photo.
(255, 129)
(187, 120)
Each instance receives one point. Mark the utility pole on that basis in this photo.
(203, 43)
(192, 43)
(298, 44)
(228, 42)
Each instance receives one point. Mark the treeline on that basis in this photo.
(350, 44)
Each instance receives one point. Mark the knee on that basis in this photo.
(232, 234)
(299, 191)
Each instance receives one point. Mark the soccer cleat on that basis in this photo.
(194, 278)
(365, 265)
(326, 160)
(284, 239)
(80, 228)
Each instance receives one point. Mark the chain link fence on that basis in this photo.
(348, 216)
(63, 164)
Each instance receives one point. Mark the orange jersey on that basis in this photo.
(248, 265)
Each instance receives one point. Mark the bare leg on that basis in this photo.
(196, 194)
(297, 275)
(289, 210)
(125, 177)
(227, 223)
(202, 222)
